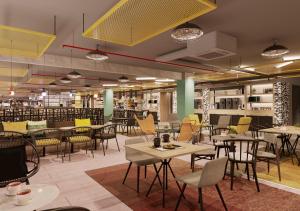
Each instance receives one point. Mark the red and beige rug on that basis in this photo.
(243, 197)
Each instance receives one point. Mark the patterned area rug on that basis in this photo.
(243, 197)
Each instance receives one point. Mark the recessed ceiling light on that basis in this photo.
(74, 75)
(187, 31)
(97, 55)
(65, 80)
(145, 78)
(275, 51)
(290, 58)
(283, 64)
(165, 80)
(107, 85)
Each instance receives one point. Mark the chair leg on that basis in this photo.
(225, 171)
(103, 148)
(86, 147)
(106, 144)
(221, 197)
(70, 152)
(181, 194)
(247, 170)
(91, 145)
(138, 179)
(268, 162)
(218, 152)
(278, 166)
(57, 150)
(200, 199)
(117, 144)
(231, 174)
(145, 171)
(192, 162)
(255, 177)
(127, 172)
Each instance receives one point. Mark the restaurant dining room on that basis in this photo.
(149, 105)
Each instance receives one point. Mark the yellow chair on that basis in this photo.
(242, 126)
(195, 119)
(186, 132)
(147, 125)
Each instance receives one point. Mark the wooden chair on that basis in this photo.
(242, 151)
(47, 137)
(147, 126)
(15, 163)
(80, 135)
(266, 155)
(106, 133)
(211, 174)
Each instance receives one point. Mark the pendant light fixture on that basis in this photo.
(187, 31)
(123, 79)
(275, 51)
(65, 80)
(52, 84)
(97, 55)
(74, 75)
(11, 91)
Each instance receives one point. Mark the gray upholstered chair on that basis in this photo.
(223, 123)
(211, 174)
(138, 159)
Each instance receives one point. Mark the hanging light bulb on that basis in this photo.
(52, 84)
(275, 51)
(65, 80)
(12, 92)
(97, 55)
(44, 93)
(187, 31)
(123, 79)
(74, 75)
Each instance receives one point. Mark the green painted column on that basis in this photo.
(185, 97)
(108, 102)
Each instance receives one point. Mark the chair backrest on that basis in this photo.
(131, 152)
(147, 125)
(20, 127)
(14, 158)
(195, 119)
(213, 172)
(224, 121)
(46, 134)
(186, 132)
(243, 125)
(241, 150)
(82, 131)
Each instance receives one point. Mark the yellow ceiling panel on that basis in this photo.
(16, 72)
(41, 80)
(23, 43)
(131, 22)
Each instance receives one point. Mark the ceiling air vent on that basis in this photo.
(214, 45)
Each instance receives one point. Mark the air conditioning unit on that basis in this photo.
(213, 45)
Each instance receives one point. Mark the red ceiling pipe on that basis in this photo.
(136, 57)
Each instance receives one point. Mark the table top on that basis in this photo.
(292, 130)
(186, 148)
(42, 195)
(230, 137)
(94, 127)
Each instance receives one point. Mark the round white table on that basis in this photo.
(42, 194)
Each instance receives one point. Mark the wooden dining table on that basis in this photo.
(166, 155)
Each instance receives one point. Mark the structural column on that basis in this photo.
(281, 102)
(108, 102)
(205, 105)
(185, 97)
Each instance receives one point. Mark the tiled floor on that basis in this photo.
(78, 189)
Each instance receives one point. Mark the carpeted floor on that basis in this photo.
(290, 174)
(243, 197)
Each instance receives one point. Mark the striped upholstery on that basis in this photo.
(47, 142)
(79, 139)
